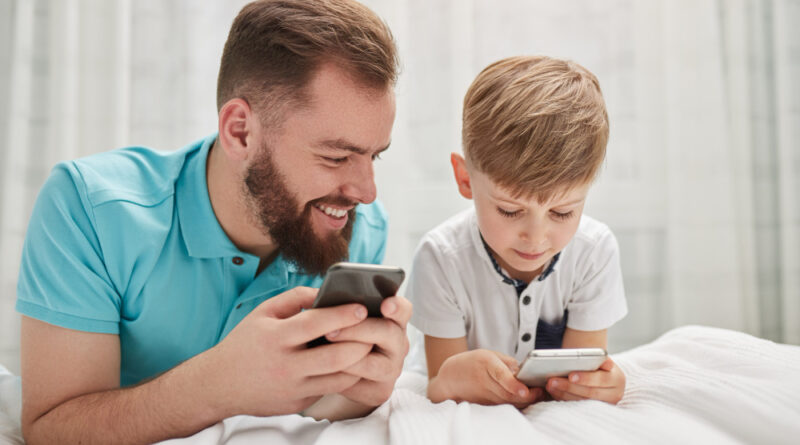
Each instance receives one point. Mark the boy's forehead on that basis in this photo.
(559, 195)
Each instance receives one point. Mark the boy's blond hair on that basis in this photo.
(535, 125)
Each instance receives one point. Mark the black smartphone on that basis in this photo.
(367, 284)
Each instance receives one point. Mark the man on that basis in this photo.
(163, 292)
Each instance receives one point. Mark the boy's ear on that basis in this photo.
(235, 129)
(461, 174)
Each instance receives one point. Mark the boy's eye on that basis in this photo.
(562, 216)
(508, 214)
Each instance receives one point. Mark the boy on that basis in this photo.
(523, 269)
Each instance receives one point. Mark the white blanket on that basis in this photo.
(692, 385)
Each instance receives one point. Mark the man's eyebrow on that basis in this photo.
(341, 144)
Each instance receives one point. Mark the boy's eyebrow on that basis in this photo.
(574, 201)
(560, 204)
(342, 144)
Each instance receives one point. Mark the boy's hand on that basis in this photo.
(481, 376)
(606, 384)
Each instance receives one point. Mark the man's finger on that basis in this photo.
(330, 358)
(313, 323)
(397, 309)
(289, 303)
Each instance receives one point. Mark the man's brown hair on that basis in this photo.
(275, 46)
(535, 125)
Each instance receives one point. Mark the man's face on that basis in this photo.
(523, 233)
(304, 183)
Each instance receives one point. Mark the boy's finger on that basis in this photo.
(509, 361)
(607, 365)
(600, 378)
(503, 376)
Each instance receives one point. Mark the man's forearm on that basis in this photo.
(337, 407)
(176, 404)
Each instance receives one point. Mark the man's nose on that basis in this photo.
(360, 182)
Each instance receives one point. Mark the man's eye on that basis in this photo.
(507, 213)
(335, 160)
(376, 156)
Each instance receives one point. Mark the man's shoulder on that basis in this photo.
(137, 175)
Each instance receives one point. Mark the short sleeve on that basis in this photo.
(63, 279)
(598, 298)
(436, 309)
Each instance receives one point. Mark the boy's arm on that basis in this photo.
(606, 384)
(478, 376)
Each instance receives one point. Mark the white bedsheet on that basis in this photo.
(692, 385)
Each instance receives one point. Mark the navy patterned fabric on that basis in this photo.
(548, 335)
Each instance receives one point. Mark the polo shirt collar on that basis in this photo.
(202, 234)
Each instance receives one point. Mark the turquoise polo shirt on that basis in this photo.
(126, 243)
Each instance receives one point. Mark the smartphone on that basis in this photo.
(367, 284)
(541, 364)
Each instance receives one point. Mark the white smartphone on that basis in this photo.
(367, 284)
(541, 364)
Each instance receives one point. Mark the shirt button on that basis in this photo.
(237, 260)
(239, 306)
(526, 300)
(526, 337)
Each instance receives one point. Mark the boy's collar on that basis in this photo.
(519, 284)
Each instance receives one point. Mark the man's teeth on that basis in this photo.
(336, 213)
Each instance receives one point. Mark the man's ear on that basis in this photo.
(461, 174)
(236, 128)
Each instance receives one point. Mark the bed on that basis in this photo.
(692, 385)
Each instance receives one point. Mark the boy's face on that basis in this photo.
(522, 233)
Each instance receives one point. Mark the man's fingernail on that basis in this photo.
(391, 307)
(333, 334)
(574, 378)
(361, 312)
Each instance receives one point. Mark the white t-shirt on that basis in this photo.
(457, 291)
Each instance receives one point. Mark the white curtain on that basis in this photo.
(701, 183)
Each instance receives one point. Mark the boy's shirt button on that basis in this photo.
(526, 300)
(526, 337)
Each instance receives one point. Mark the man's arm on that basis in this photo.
(71, 388)
(71, 392)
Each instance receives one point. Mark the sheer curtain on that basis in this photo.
(702, 177)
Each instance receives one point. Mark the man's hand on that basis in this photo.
(263, 366)
(481, 376)
(376, 372)
(606, 384)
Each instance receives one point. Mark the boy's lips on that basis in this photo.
(530, 256)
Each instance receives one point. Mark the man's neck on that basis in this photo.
(224, 191)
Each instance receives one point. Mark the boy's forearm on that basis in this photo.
(176, 404)
(437, 391)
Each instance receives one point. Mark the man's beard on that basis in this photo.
(275, 208)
